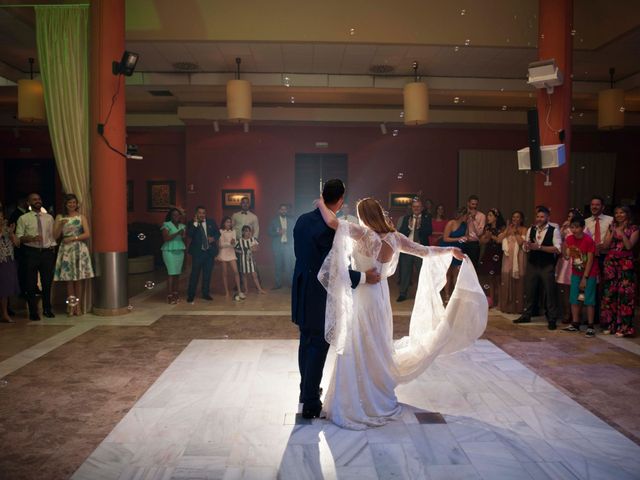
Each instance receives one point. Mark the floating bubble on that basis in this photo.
(149, 285)
(3, 383)
(287, 82)
(573, 33)
(467, 42)
(542, 36)
(502, 89)
(463, 12)
(496, 258)
(582, 167)
(456, 48)
(130, 307)
(402, 114)
(573, 108)
(395, 132)
(141, 236)
(293, 100)
(491, 272)
(486, 286)
(581, 114)
(504, 108)
(352, 31)
(73, 301)
(456, 99)
(400, 175)
(621, 109)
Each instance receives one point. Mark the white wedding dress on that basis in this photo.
(359, 323)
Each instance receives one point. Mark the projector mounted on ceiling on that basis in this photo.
(545, 74)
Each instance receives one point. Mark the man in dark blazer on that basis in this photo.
(204, 235)
(416, 227)
(281, 233)
(313, 240)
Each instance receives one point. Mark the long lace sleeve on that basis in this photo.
(405, 245)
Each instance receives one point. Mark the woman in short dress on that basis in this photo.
(491, 260)
(247, 245)
(563, 269)
(173, 232)
(227, 257)
(438, 223)
(511, 298)
(454, 236)
(73, 264)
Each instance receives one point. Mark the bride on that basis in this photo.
(359, 323)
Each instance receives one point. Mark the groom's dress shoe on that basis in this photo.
(309, 413)
(401, 298)
(522, 319)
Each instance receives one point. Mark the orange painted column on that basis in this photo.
(555, 41)
(108, 168)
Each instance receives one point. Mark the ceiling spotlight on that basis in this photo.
(126, 65)
(383, 129)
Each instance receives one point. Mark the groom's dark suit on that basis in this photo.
(312, 240)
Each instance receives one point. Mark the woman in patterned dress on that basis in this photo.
(619, 278)
(73, 264)
(8, 270)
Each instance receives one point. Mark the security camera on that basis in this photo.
(545, 74)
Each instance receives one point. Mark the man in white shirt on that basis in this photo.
(476, 221)
(543, 245)
(597, 225)
(35, 231)
(245, 217)
(281, 233)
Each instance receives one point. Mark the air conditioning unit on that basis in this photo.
(552, 156)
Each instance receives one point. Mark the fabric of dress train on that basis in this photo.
(359, 323)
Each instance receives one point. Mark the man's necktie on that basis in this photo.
(41, 242)
(597, 231)
(205, 240)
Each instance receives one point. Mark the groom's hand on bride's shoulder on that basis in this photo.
(373, 276)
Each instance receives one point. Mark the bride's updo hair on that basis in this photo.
(371, 214)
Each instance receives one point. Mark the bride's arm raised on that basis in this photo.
(413, 248)
(355, 231)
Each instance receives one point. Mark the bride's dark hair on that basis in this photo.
(371, 214)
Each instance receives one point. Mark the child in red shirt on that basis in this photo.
(581, 249)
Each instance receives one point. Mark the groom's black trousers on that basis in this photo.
(312, 354)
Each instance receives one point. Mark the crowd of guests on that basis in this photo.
(587, 261)
(546, 268)
(35, 246)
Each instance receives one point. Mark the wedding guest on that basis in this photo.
(281, 233)
(204, 234)
(438, 222)
(227, 257)
(22, 207)
(596, 226)
(454, 236)
(417, 228)
(245, 217)
(542, 247)
(619, 278)
(491, 261)
(428, 207)
(8, 269)
(475, 227)
(73, 264)
(173, 235)
(345, 214)
(513, 265)
(247, 246)
(563, 270)
(579, 250)
(34, 229)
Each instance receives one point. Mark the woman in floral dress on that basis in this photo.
(619, 277)
(74, 261)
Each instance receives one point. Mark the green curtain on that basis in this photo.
(63, 54)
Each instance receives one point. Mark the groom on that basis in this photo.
(312, 241)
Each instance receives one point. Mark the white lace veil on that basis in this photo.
(433, 330)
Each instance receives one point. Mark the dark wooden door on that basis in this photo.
(312, 170)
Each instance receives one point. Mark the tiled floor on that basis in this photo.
(70, 381)
(226, 409)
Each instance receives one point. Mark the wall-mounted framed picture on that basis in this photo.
(161, 194)
(232, 198)
(129, 195)
(401, 199)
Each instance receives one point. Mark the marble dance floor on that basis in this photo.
(226, 409)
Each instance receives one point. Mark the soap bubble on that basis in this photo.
(73, 301)
(352, 31)
(395, 132)
(467, 42)
(621, 109)
(456, 48)
(402, 114)
(573, 33)
(141, 236)
(130, 307)
(504, 108)
(456, 99)
(149, 285)
(542, 36)
(463, 12)
(486, 286)
(491, 272)
(400, 175)
(3, 383)
(496, 258)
